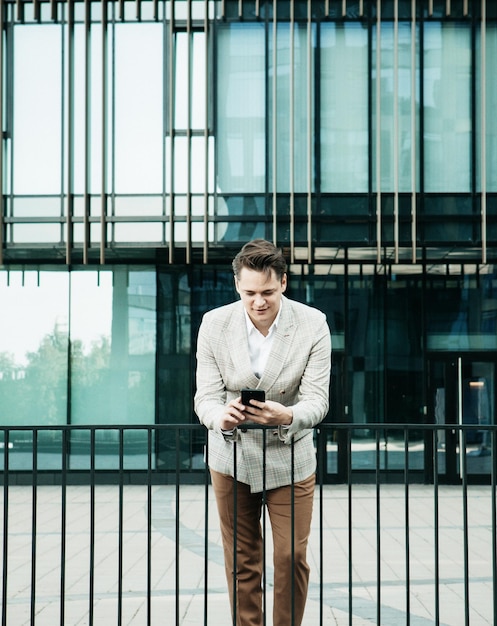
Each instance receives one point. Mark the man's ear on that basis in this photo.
(236, 285)
(284, 283)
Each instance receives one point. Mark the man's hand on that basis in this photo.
(268, 413)
(233, 415)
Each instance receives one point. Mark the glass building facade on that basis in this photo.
(143, 142)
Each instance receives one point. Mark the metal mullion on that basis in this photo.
(309, 131)
(396, 128)
(120, 564)
(70, 131)
(87, 198)
(103, 195)
(378, 132)
(2, 201)
(275, 123)
(63, 525)
(292, 132)
(413, 131)
(171, 91)
(483, 131)
(206, 135)
(189, 48)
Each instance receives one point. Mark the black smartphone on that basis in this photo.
(253, 394)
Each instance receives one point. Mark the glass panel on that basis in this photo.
(461, 311)
(33, 357)
(37, 165)
(292, 94)
(447, 107)
(490, 80)
(113, 347)
(344, 108)
(190, 98)
(478, 408)
(396, 161)
(241, 109)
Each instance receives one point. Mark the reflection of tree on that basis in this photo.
(35, 393)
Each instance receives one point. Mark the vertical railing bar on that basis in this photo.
(264, 525)
(462, 453)
(378, 132)
(430, 8)
(309, 132)
(205, 258)
(5, 540)
(396, 128)
(177, 526)
(494, 523)
(103, 195)
(275, 122)
(292, 132)
(149, 525)
(465, 8)
(34, 525)
(436, 535)
(407, 527)
(121, 530)
(321, 448)
(448, 8)
(378, 529)
(91, 593)
(70, 131)
(63, 526)
(235, 531)
(344, 8)
(413, 132)
(350, 543)
(87, 172)
(483, 132)
(292, 533)
(206, 533)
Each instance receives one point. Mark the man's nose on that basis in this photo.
(259, 301)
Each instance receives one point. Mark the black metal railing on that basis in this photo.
(117, 525)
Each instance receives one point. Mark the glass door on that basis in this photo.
(462, 391)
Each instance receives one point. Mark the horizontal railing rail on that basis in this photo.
(117, 525)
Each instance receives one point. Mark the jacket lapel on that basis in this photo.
(237, 340)
(283, 341)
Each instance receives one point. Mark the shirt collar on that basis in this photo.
(272, 328)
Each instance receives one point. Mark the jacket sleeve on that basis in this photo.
(210, 396)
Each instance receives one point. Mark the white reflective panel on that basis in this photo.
(138, 108)
(38, 109)
(344, 108)
(447, 108)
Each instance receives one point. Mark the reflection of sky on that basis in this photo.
(30, 312)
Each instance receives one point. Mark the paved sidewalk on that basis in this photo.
(187, 608)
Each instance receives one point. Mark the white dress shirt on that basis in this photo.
(260, 345)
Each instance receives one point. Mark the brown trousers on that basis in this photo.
(290, 578)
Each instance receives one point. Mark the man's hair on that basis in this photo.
(262, 256)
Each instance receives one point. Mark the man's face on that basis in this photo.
(261, 296)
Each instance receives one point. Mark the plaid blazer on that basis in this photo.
(297, 374)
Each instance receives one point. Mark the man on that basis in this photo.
(269, 342)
